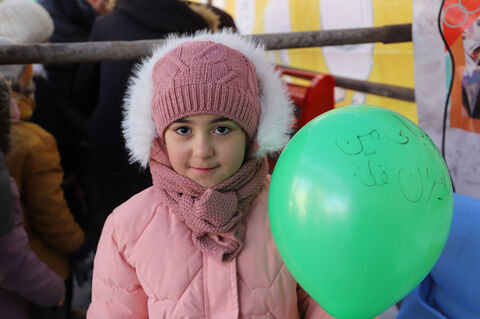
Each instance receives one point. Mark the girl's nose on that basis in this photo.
(203, 146)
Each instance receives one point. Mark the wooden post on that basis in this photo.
(130, 50)
(391, 91)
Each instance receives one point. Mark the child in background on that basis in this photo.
(34, 164)
(203, 112)
(24, 278)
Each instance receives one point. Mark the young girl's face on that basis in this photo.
(206, 148)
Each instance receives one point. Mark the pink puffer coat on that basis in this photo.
(147, 266)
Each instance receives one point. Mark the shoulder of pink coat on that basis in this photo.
(132, 217)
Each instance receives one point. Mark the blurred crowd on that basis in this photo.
(63, 163)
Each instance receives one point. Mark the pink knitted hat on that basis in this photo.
(199, 77)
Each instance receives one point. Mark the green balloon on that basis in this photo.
(360, 208)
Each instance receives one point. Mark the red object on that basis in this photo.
(311, 100)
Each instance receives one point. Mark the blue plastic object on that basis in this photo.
(452, 289)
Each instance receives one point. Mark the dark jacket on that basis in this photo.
(23, 277)
(6, 213)
(73, 20)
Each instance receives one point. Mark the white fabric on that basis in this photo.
(25, 21)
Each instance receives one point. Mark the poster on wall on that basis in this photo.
(446, 37)
(460, 25)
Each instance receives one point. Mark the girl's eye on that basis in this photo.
(222, 130)
(183, 130)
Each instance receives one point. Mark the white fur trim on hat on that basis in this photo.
(25, 21)
(276, 117)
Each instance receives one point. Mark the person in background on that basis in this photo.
(55, 108)
(100, 88)
(24, 278)
(203, 111)
(34, 163)
(55, 111)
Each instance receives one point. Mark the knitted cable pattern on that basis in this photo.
(201, 77)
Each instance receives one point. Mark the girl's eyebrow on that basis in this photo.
(181, 121)
(220, 119)
(216, 120)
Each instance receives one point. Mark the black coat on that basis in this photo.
(6, 199)
(73, 20)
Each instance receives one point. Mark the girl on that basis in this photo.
(203, 112)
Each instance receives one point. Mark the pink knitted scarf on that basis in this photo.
(213, 214)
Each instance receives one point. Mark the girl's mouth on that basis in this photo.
(203, 170)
